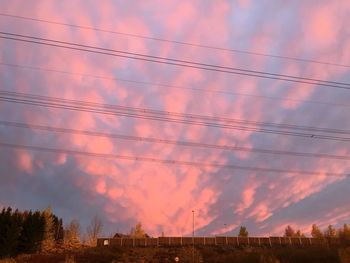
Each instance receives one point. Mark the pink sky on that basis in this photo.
(162, 196)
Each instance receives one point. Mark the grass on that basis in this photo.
(281, 255)
(204, 254)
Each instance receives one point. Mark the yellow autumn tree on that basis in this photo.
(137, 231)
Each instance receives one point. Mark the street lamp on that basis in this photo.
(192, 223)
(193, 236)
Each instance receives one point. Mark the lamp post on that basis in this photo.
(193, 224)
(193, 236)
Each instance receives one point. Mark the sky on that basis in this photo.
(304, 39)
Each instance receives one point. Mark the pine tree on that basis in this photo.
(48, 242)
(72, 234)
(11, 227)
(58, 229)
(4, 221)
(25, 243)
(32, 232)
(25, 232)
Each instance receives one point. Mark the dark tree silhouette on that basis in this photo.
(23, 232)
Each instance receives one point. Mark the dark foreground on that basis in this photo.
(185, 254)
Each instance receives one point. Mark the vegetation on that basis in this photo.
(290, 232)
(39, 236)
(31, 232)
(138, 232)
(281, 255)
(204, 254)
(72, 234)
(93, 231)
(28, 232)
(316, 232)
(243, 232)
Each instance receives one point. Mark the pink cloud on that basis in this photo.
(163, 196)
(25, 161)
(247, 196)
(261, 212)
(321, 25)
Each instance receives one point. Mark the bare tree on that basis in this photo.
(94, 230)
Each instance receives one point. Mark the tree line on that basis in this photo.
(41, 231)
(342, 233)
(330, 232)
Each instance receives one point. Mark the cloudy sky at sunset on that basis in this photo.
(145, 140)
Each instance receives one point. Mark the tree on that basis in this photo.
(48, 242)
(330, 232)
(137, 231)
(32, 232)
(344, 233)
(25, 232)
(94, 230)
(243, 232)
(72, 234)
(58, 229)
(289, 232)
(316, 232)
(10, 230)
(299, 234)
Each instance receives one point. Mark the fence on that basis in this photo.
(217, 241)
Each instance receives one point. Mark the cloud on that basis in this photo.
(162, 196)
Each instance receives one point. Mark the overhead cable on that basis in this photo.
(175, 41)
(157, 115)
(172, 86)
(169, 161)
(169, 142)
(171, 61)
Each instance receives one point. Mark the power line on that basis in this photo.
(144, 111)
(166, 116)
(167, 161)
(176, 41)
(169, 85)
(169, 142)
(173, 62)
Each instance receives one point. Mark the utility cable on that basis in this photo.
(169, 119)
(171, 61)
(169, 142)
(129, 111)
(169, 161)
(175, 41)
(169, 85)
